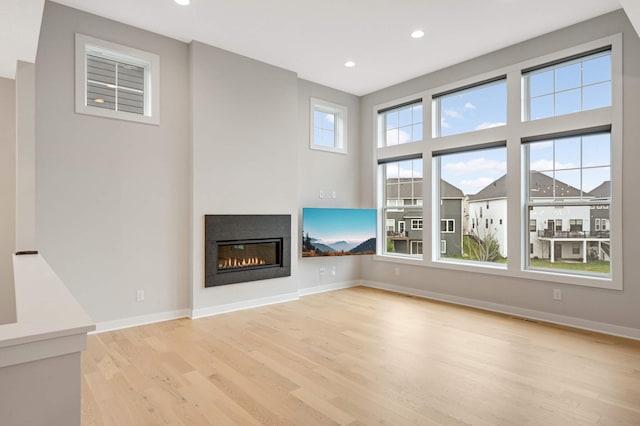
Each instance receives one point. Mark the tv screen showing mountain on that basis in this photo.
(338, 232)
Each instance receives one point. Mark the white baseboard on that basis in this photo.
(600, 327)
(245, 304)
(327, 287)
(104, 326)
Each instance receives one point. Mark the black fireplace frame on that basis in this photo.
(229, 228)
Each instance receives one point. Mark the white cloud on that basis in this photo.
(469, 105)
(549, 165)
(488, 125)
(452, 113)
(403, 171)
(444, 124)
(472, 186)
(475, 165)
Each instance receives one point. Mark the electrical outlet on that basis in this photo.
(334, 195)
(333, 271)
(557, 294)
(139, 295)
(321, 194)
(322, 270)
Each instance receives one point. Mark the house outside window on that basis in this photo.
(402, 203)
(447, 225)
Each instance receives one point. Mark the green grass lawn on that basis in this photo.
(600, 266)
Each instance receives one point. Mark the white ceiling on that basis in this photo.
(315, 38)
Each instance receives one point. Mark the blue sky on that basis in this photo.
(332, 225)
(580, 85)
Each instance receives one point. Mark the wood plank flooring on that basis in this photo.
(359, 357)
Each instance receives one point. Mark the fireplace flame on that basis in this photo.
(235, 263)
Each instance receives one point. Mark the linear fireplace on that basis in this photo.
(240, 248)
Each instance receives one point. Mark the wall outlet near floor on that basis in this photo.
(322, 270)
(333, 271)
(557, 294)
(139, 295)
(321, 194)
(334, 195)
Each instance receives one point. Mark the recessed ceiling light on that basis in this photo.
(183, 2)
(99, 101)
(349, 64)
(417, 34)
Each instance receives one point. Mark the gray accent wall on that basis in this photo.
(112, 196)
(591, 304)
(7, 198)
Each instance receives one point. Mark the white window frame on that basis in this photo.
(443, 246)
(340, 128)
(149, 61)
(417, 244)
(512, 134)
(453, 227)
(417, 224)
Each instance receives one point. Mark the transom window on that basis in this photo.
(570, 86)
(328, 126)
(476, 108)
(401, 124)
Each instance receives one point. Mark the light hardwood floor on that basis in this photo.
(359, 357)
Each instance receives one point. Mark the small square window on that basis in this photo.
(328, 126)
(116, 81)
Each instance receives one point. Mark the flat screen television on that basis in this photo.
(338, 232)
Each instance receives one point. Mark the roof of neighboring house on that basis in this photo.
(602, 191)
(449, 191)
(407, 188)
(541, 187)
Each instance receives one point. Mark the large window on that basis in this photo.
(473, 189)
(569, 180)
(116, 81)
(464, 110)
(400, 125)
(569, 86)
(402, 201)
(553, 211)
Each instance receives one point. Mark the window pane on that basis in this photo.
(469, 182)
(596, 70)
(477, 108)
(541, 107)
(541, 83)
(402, 198)
(578, 85)
(553, 248)
(568, 102)
(402, 125)
(567, 77)
(596, 96)
(574, 197)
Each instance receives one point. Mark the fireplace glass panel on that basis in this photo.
(252, 254)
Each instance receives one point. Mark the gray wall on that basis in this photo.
(328, 172)
(244, 116)
(7, 198)
(607, 306)
(112, 196)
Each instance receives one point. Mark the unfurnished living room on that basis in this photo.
(289, 212)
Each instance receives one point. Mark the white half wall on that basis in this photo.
(7, 198)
